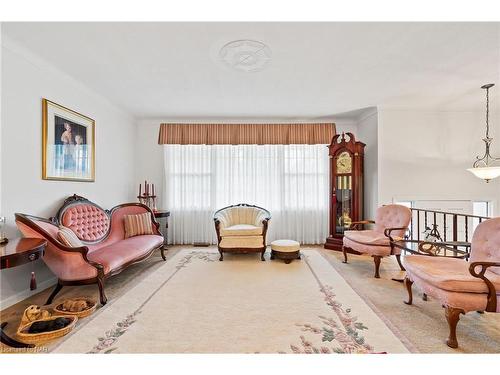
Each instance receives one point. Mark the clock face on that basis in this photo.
(344, 163)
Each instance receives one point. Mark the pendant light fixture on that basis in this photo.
(486, 167)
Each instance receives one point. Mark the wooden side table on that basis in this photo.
(162, 214)
(12, 254)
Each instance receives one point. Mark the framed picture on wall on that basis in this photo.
(68, 148)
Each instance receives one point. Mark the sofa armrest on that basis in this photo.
(27, 223)
(135, 208)
(491, 305)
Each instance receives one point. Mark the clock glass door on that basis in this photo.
(343, 191)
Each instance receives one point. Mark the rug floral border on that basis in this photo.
(346, 337)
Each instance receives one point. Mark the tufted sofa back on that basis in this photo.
(486, 243)
(392, 216)
(89, 222)
(241, 214)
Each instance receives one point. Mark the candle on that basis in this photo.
(140, 189)
(153, 189)
(145, 187)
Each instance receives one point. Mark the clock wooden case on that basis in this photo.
(346, 186)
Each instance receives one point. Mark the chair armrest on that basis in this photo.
(491, 305)
(356, 224)
(388, 231)
(217, 229)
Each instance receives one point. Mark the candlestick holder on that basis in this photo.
(148, 200)
(148, 197)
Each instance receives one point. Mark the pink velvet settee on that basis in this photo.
(458, 285)
(105, 251)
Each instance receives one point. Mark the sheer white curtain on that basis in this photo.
(291, 181)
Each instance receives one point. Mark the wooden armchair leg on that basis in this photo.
(398, 258)
(408, 284)
(262, 255)
(221, 258)
(102, 295)
(345, 254)
(377, 259)
(452, 316)
(56, 290)
(162, 251)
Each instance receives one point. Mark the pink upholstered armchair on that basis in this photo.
(391, 223)
(105, 250)
(461, 286)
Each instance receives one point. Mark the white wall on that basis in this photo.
(25, 81)
(423, 155)
(368, 133)
(149, 160)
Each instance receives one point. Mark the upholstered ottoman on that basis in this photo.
(286, 250)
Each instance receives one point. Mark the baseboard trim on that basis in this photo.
(18, 297)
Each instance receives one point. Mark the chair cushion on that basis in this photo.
(461, 300)
(68, 237)
(119, 253)
(369, 242)
(449, 274)
(285, 245)
(241, 230)
(136, 225)
(368, 237)
(243, 242)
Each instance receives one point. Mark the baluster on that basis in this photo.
(444, 225)
(418, 225)
(425, 219)
(455, 229)
(466, 228)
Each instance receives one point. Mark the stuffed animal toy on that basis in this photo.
(33, 313)
(74, 305)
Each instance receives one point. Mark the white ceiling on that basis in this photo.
(317, 69)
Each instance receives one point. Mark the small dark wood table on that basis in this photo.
(159, 214)
(14, 253)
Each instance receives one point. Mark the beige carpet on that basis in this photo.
(196, 304)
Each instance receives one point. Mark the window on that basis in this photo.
(291, 181)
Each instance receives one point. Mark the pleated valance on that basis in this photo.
(242, 134)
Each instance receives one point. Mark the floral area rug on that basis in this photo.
(196, 304)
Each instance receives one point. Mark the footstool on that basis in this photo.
(286, 250)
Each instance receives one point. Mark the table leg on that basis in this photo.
(165, 237)
(11, 342)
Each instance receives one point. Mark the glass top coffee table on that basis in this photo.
(451, 249)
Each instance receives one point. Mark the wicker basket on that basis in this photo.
(92, 305)
(38, 338)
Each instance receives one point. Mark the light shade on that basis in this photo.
(485, 173)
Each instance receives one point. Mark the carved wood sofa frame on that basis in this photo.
(265, 223)
(29, 221)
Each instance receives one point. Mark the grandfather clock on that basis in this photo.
(346, 186)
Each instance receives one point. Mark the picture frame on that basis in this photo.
(68, 144)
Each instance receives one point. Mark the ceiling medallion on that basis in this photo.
(245, 55)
